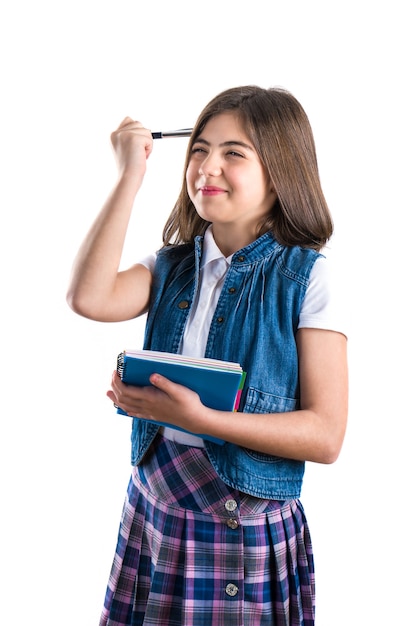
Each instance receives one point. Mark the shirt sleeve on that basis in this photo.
(325, 302)
(149, 261)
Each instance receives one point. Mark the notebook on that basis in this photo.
(218, 383)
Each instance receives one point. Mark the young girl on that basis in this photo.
(215, 534)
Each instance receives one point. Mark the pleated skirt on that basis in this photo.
(192, 551)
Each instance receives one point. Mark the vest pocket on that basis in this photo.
(261, 402)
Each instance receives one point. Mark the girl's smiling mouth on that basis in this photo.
(210, 190)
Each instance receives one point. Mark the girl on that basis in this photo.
(216, 534)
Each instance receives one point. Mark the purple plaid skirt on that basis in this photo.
(192, 551)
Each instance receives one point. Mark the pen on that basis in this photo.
(184, 132)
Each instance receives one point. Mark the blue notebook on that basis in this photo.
(218, 383)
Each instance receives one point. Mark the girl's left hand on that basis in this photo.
(163, 401)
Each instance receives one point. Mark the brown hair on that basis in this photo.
(280, 131)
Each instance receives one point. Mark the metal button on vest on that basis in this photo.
(183, 304)
(230, 505)
(240, 258)
(232, 523)
(231, 589)
(232, 289)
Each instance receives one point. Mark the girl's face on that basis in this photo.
(226, 180)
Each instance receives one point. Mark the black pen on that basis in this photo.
(184, 132)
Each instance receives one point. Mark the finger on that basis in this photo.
(111, 395)
(129, 124)
(163, 384)
(127, 120)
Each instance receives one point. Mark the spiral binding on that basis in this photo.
(119, 369)
(120, 363)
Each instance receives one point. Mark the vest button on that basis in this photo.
(231, 589)
(184, 304)
(241, 258)
(232, 290)
(220, 320)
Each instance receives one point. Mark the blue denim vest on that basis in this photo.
(254, 324)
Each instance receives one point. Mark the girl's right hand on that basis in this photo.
(132, 145)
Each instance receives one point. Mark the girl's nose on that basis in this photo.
(211, 166)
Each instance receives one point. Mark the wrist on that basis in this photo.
(131, 178)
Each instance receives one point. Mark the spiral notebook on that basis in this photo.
(218, 383)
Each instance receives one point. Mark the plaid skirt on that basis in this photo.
(192, 551)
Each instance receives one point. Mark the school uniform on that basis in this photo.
(216, 534)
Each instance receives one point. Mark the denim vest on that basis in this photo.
(254, 324)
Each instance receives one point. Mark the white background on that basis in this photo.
(70, 72)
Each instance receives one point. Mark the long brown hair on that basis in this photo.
(281, 134)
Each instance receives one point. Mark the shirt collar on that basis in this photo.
(210, 250)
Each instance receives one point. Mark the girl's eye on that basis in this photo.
(229, 153)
